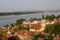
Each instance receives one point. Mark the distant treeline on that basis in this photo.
(15, 13)
(29, 12)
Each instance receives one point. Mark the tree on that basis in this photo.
(12, 25)
(58, 16)
(53, 16)
(37, 19)
(20, 21)
(50, 17)
(24, 28)
(6, 26)
(47, 17)
(52, 29)
(56, 28)
(36, 36)
(49, 29)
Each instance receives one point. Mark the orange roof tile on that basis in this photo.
(35, 26)
(12, 31)
(30, 33)
(6, 35)
(40, 38)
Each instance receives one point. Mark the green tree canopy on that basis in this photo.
(12, 25)
(53, 28)
(49, 29)
(50, 17)
(6, 25)
(24, 28)
(37, 19)
(58, 16)
(19, 21)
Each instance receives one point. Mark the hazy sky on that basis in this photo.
(25, 5)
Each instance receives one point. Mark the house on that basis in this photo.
(6, 35)
(35, 27)
(56, 20)
(26, 22)
(48, 21)
(34, 22)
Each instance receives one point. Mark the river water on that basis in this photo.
(11, 19)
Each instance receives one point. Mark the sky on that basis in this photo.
(28, 5)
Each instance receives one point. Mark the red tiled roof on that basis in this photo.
(30, 33)
(18, 32)
(6, 35)
(35, 26)
(57, 38)
(12, 31)
(40, 38)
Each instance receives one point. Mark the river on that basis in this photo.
(12, 18)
